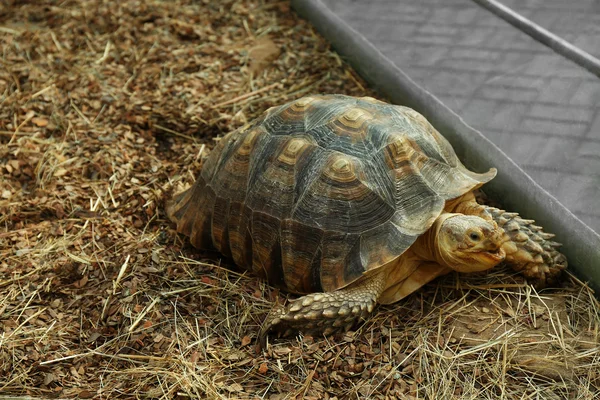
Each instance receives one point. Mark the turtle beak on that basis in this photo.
(490, 250)
(493, 247)
(497, 255)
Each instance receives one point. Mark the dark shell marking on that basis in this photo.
(318, 191)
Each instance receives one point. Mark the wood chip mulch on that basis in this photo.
(109, 107)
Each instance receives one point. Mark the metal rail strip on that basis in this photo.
(544, 36)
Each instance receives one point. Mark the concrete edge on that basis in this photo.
(581, 244)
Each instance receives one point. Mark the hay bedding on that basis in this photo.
(106, 109)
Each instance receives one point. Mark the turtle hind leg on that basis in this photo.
(530, 250)
(325, 312)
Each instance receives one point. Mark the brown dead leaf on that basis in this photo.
(158, 337)
(282, 351)
(246, 340)
(93, 337)
(48, 378)
(60, 172)
(263, 368)
(82, 282)
(86, 394)
(262, 54)
(235, 356)
(39, 121)
(234, 388)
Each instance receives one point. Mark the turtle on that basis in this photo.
(350, 202)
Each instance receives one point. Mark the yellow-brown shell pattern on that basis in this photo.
(316, 192)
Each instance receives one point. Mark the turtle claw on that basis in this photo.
(546, 236)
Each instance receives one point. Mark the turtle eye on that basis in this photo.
(475, 236)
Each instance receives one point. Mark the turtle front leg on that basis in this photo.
(325, 312)
(529, 250)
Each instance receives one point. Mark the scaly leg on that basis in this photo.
(529, 249)
(326, 312)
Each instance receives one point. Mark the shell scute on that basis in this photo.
(240, 238)
(337, 198)
(301, 249)
(275, 185)
(266, 247)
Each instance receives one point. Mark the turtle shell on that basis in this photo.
(316, 192)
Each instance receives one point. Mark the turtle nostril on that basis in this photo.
(494, 245)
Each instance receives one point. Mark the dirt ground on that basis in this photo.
(107, 109)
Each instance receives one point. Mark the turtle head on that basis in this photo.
(467, 243)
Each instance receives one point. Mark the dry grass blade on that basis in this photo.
(110, 107)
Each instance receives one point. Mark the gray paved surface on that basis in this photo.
(540, 108)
